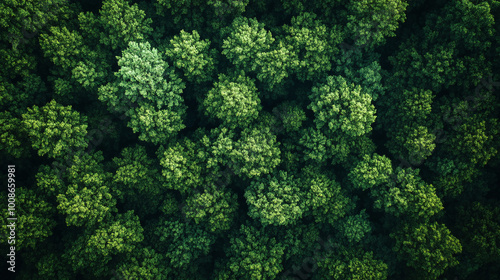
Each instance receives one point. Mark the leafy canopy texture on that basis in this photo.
(238, 139)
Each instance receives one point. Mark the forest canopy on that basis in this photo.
(250, 139)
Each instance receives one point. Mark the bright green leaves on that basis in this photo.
(356, 227)
(214, 208)
(370, 21)
(63, 47)
(342, 107)
(246, 39)
(428, 248)
(312, 46)
(148, 92)
(95, 248)
(122, 23)
(55, 130)
(371, 171)
(145, 77)
(325, 198)
(408, 195)
(233, 100)
(192, 56)
(145, 263)
(86, 206)
(184, 165)
(352, 264)
(11, 135)
(253, 255)
(183, 243)
(275, 199)
(255, 153)
(87, 199)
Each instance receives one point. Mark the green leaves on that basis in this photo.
(183, 243)
(341, 107)
(192, 56)
(234, 101)
(428, 248)
(55, 130)
(247, 38)
(255, 153)
(148, 92)
(408, 195)
(275, 200)
(371, 171)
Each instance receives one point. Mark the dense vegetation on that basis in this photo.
(252, 139)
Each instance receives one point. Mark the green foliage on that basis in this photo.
(234, 101)
(371, 171)
(247, 38)
(183, 243)
(145, 263)
(340, 106)
(185, 165)
(356, 227)
(370, 21)
(243, 134)
(407, 194)
(351, 264)
(255, 153)
(326, 200)
(148, 92)
(192, 56)
(34, 219)
(11, 135)
(92, 250)
(479, 231)
(122, 23)
(54, 130)
(252, 254)
(311, 44)
(275, 199)
(428, 248)
(214, 208)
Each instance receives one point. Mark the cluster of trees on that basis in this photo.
(252, 139)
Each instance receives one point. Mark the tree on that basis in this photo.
(140, 182)
(12, 136)
(252, 254)
(352, 264)
(122, 23)
(372, 171)
(92, 250)
(148, 92)
(246, 39)
(342, 107)
(34, 219)
(255, 153)
(55, 130)
(192, 56)
(182, 243)
(371, 21)
(145, 263)
(312, 46)
(185, 165)
(215, 208)
(326, 200)
(276, 199)
(234, 101)
(429, 248)
(479, 231)
(407, 195)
